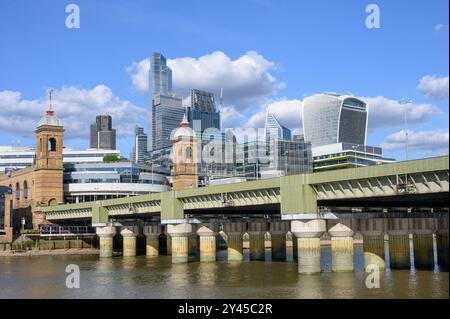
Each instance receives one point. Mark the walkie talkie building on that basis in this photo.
(331, 118)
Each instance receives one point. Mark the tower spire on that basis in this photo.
(50, 110)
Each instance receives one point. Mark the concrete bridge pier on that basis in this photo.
(373, 242)
(341, 248)
(399, 256)
(278, 232)
(152, 232)
(423, 229)
(308, 244)
(129, 241)
(106, 235)
(180, 242)
(257, 247)
(207, 243)
(234, 233)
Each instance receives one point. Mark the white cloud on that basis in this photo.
(429, 142)
(76, 108)
(287, 112)
(246, 80)
(384, 112)
(439, 27)
(434, 87)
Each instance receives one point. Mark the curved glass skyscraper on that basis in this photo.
(331, 118)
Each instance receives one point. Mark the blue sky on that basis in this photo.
(264, 53)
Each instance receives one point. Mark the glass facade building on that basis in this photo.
(140, 152)
(274, 130)
(98, 181)
(168, 112)
(160, 84)
(203, 111)
(333, 118)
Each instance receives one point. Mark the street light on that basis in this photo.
(406, 102)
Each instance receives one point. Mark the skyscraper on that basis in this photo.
(274, 130)
(203, 109)
(167, 113)
(140, 145)
(333, 118)
(160, 84)
(102, 135)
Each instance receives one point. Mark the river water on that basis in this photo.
(140, 277)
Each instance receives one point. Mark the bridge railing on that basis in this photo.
(66, 230)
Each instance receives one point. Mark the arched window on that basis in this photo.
(188, 153)
(17, 191)
(25, 190)
(52, 145)
(52, 202)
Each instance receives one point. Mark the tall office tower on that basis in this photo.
(274, 130)
(331, 118)
(160, 83)
(167, 113)
(102, 135)
(203, 109)
(140, 152)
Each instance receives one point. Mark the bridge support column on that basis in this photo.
(308, 244)
(257, 247)
(180, 242)
(207, 243)
(399, 255)
(341, 248)
(106, 235)
(152, 232)
(442, 243)
(129, 243)
(373, 242)
(234, 233)
(278, 232)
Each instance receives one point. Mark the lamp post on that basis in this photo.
(406, 102)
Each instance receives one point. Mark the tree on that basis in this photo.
(111, 158)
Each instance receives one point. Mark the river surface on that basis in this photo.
(140, 277)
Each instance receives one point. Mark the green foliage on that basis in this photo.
(111, 158)
(28, 231)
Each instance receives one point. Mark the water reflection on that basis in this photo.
(142, 277)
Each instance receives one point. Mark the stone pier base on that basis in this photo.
(180, 242)
(106, 235)
(129, 243)
(341, 248)
(308, 244)
(207, 244)
(180, 249)
(308, 255)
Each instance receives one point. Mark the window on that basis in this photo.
(52, 145)
(25, 189)
(17, 191)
